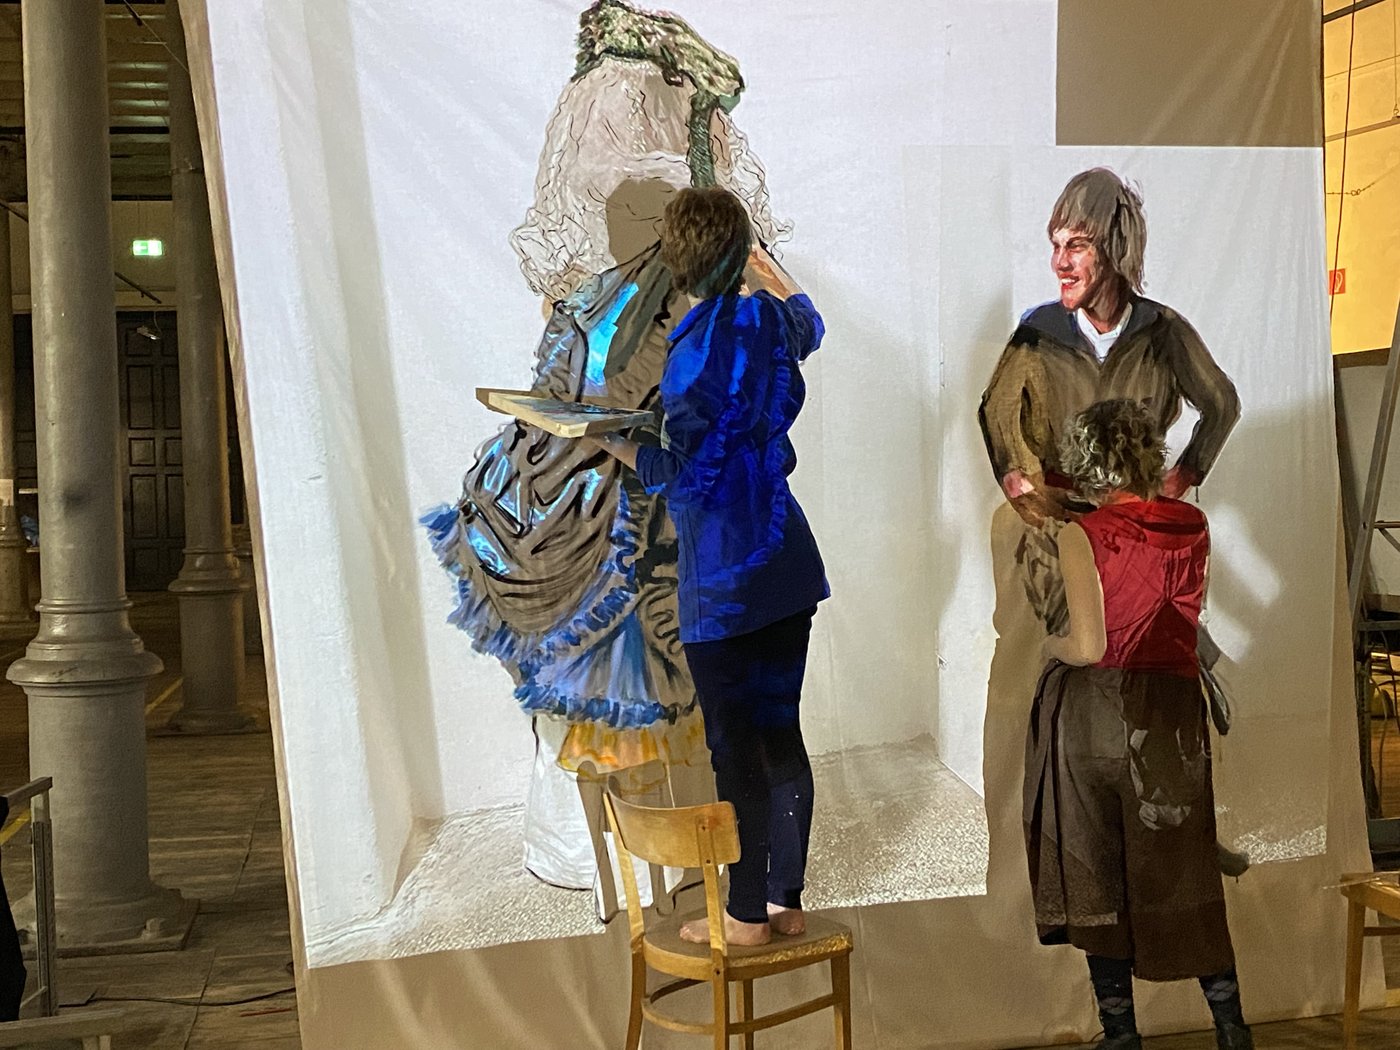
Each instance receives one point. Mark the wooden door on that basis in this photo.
(153, 497)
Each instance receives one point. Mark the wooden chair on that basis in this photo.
(705, 837)
(1364, 891)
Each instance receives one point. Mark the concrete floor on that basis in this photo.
(215, 834)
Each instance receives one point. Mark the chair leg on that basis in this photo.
(590, 790)
(639, 993)
(841, 992)
(720, 985)
(1356, 940)
(746, 1009)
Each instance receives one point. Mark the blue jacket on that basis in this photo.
(730, 391)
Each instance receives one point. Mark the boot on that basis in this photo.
(1126, 1041)
(1234, 1037)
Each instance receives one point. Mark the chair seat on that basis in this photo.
(667, 952)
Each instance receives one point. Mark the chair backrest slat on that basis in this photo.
(679, 837)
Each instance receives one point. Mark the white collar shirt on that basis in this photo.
(1102, 342)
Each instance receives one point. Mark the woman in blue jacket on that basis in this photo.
(750, 572)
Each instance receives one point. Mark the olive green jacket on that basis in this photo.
(1048, 373)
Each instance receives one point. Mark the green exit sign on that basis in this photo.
(149, 249)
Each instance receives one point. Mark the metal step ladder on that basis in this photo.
(1368, 629)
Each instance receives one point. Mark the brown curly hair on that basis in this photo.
(705, 241)
(1113, 446)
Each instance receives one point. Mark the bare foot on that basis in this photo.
(790, 922)
(744, 934)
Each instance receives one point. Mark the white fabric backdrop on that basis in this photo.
(372, 165)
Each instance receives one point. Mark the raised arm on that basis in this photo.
(1087, 639)
(764, 273)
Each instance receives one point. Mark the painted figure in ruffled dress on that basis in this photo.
(565, 569)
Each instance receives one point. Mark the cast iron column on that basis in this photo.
(86, 671)
(210, 585)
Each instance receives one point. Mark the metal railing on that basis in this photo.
(36, 795)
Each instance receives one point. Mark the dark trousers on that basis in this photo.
(749, 688)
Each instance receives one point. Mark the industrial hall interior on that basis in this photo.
(583, 525)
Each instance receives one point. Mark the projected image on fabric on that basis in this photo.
(489, 624)
(1101, 340)
(564, 567)
(1075, 420)
(1104, 339)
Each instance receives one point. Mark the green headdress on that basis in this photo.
(615, 28)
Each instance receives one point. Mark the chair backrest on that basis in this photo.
(679, 837)
(701, 837)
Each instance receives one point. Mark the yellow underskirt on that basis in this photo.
(609, 750)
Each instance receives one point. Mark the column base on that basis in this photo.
(210, 590)
(160, 921)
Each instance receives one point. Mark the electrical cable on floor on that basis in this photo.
(192, 1002)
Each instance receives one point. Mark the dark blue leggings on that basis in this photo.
(749, 688)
